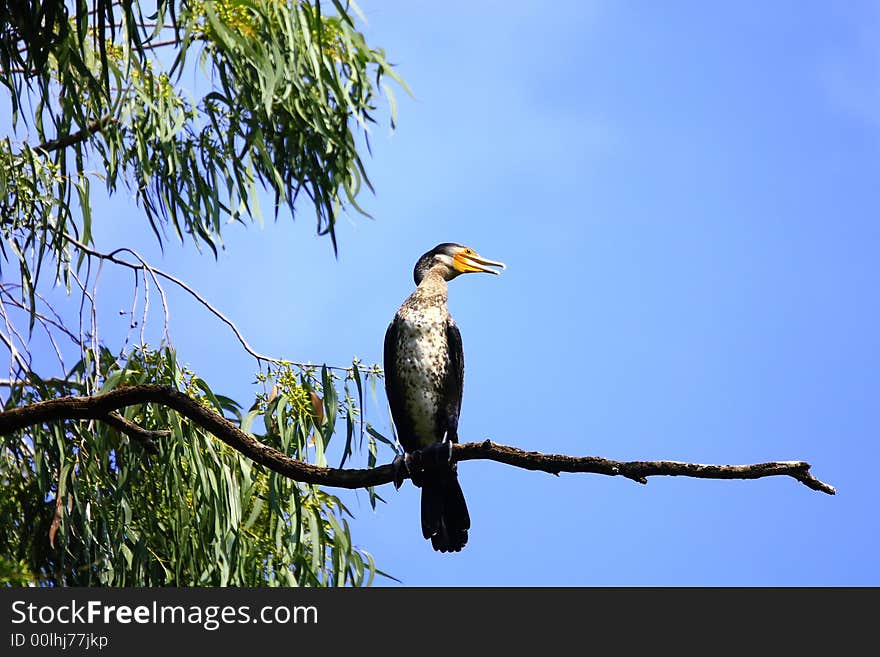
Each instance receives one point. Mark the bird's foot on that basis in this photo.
(436, 456)
(400, 468)
(408, 464)
(414, 464)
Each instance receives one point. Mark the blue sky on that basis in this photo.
(686, 199)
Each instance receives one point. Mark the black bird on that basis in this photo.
(424, 375)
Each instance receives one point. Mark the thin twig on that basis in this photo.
(82, 336)
(132, 322)
(145, 437)
(146, 313)
(161, 44)
(78, 136)
(6, 296)
(56, 322)
(154, 271)
(98, 406)
(51, 338)
(145, 267)
(16, 357)
(13, 333)
(93, 316)
(52, 381)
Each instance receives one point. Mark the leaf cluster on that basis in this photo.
(84, 505)
(286, 89)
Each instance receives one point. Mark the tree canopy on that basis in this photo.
(281, 97)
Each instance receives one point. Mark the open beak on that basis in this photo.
(469, 263)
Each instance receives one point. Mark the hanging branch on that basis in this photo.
(79, 136)
(145, 437)
(101, 407)
(156, 273)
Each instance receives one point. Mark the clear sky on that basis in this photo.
(685, 195)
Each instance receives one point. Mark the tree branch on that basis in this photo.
(158, 273)
(78, 136)
(145, 437)
(100, 407)
(638, 471)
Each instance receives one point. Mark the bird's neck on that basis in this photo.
(432, 289)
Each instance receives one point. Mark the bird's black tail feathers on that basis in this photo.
(445, 518)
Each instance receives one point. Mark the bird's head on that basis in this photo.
(451, 259)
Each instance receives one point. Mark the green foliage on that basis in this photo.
(33, 218)
(298, 390)
(288, 88)
(84, 505)
(14, 573)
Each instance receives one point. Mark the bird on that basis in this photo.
(424, 379)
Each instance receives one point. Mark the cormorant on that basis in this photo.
(424, 375)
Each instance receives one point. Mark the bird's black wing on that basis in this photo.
(395, 392)
(454, 383)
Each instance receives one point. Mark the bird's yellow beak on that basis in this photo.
(467, 261)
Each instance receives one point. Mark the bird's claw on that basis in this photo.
(400, 469)
(414, 464)
(407, 465)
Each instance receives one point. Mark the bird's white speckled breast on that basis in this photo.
(422, 367)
